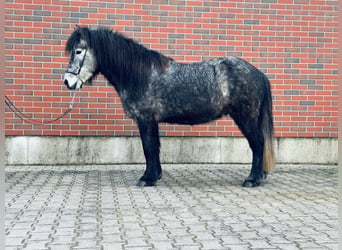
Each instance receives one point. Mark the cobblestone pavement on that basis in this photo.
(192, 207)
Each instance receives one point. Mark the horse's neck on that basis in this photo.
(132, 77)
(113, 79)
(122, 81)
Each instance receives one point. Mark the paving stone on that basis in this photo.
(14, 241)
(211, 244)
(86, 244)
(36, 245)
(231, 239)
(39, 236)
(260, 244)
(112, 245)
(290, 246)
(59, 246)
(136, 242)
(194, 206)
(237, 247)
(186, 240)
(159, 244)
(17, 233)
(13, 247)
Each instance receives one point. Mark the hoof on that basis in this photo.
(146, 183)
(251, 183)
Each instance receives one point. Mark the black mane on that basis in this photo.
(123, 61)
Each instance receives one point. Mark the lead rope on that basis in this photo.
(27, 119)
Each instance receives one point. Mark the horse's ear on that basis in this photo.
(77, 27)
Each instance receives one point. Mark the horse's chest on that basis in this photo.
(140, 108)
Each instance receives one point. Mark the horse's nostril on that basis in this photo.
(66, 82)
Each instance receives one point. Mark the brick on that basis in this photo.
(258, 32)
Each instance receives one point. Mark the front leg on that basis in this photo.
(149, 135)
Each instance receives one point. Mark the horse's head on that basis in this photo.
(82, 65)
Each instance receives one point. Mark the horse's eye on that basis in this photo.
(78, 52)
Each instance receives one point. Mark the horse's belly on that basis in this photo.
(189, 120)
(191, 114)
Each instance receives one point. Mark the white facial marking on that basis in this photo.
(84, 58)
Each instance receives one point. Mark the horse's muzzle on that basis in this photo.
(72, 81)
(66, 82)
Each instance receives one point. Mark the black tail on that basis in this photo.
(267, 129)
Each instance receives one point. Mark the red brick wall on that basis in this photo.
(293, 41)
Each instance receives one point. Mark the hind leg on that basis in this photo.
(256, 144)
(251, 130)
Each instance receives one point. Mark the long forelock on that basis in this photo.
(76, 37)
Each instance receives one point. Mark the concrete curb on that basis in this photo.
(54, 150)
